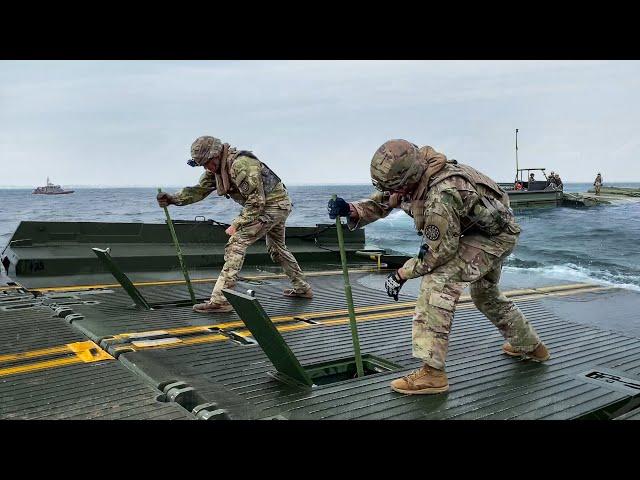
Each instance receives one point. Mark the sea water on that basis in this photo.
(557, 245)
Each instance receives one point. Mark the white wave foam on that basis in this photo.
(570, 271)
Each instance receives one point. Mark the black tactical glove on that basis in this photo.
(165, 199)
(338, 207)
(394, 284)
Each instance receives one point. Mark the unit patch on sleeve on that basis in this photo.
(432, 232)
(244, 187)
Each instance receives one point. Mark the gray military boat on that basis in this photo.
(51, 189)
(96, 323)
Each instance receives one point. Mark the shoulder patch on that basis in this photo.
(432, 232)
(244, 187)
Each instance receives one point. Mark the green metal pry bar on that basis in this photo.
(349, 297)
(175, 242)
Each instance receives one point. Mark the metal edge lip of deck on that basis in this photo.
(73, 288)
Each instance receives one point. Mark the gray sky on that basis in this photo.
(132, 122)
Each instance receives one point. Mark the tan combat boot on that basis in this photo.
(208, 307)
(540, 354)
(291, 292)
(424, 381)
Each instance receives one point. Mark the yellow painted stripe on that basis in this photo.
(407, 312)
(34, 353)
(85, 352)
(181, 343)
(79, 348)
(522, 293)
(338, 321)
(72, 288)
(33, 367)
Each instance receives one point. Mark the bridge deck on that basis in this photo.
(89, 354)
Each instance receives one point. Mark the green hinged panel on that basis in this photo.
(264, 331)
(122, 278)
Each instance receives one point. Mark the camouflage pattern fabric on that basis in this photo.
(204, 148)
(598, 184)
(468, 231)
(247, 189)
(442, 287)
(274, 230)
(396, 163)
(264, 214)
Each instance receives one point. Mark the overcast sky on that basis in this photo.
(132, 122)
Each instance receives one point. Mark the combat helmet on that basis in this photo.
(204, 149)
(395, 165)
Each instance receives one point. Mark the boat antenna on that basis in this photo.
(517, 168)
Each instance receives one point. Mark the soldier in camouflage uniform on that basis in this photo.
(468, 230)
(241, 176)
(598, 183)
(558, 182)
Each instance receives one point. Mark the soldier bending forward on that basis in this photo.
(241, 176)
(468, 230)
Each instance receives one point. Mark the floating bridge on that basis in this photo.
(73, 344)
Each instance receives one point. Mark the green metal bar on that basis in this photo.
(349, 297)
(121, 277)
(175, 242)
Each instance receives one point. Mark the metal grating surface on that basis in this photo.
(105, 390)
(114, 314)
(97, 390)
(484, 383)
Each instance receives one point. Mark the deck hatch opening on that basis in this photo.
(343, 369)
(288, 367)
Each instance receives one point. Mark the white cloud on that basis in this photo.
(312, 121)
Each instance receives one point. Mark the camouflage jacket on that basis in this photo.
(453, 208)
(248, 177)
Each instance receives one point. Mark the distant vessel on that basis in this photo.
(51, 189)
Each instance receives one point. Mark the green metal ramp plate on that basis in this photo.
(261, 327)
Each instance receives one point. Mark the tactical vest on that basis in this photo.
(491, 215)
(269, 179)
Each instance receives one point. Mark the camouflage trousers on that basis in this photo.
(441, 289)
(236, 247)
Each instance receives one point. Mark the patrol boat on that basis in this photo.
(51, 189)
(531, 194)
(96, 323)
